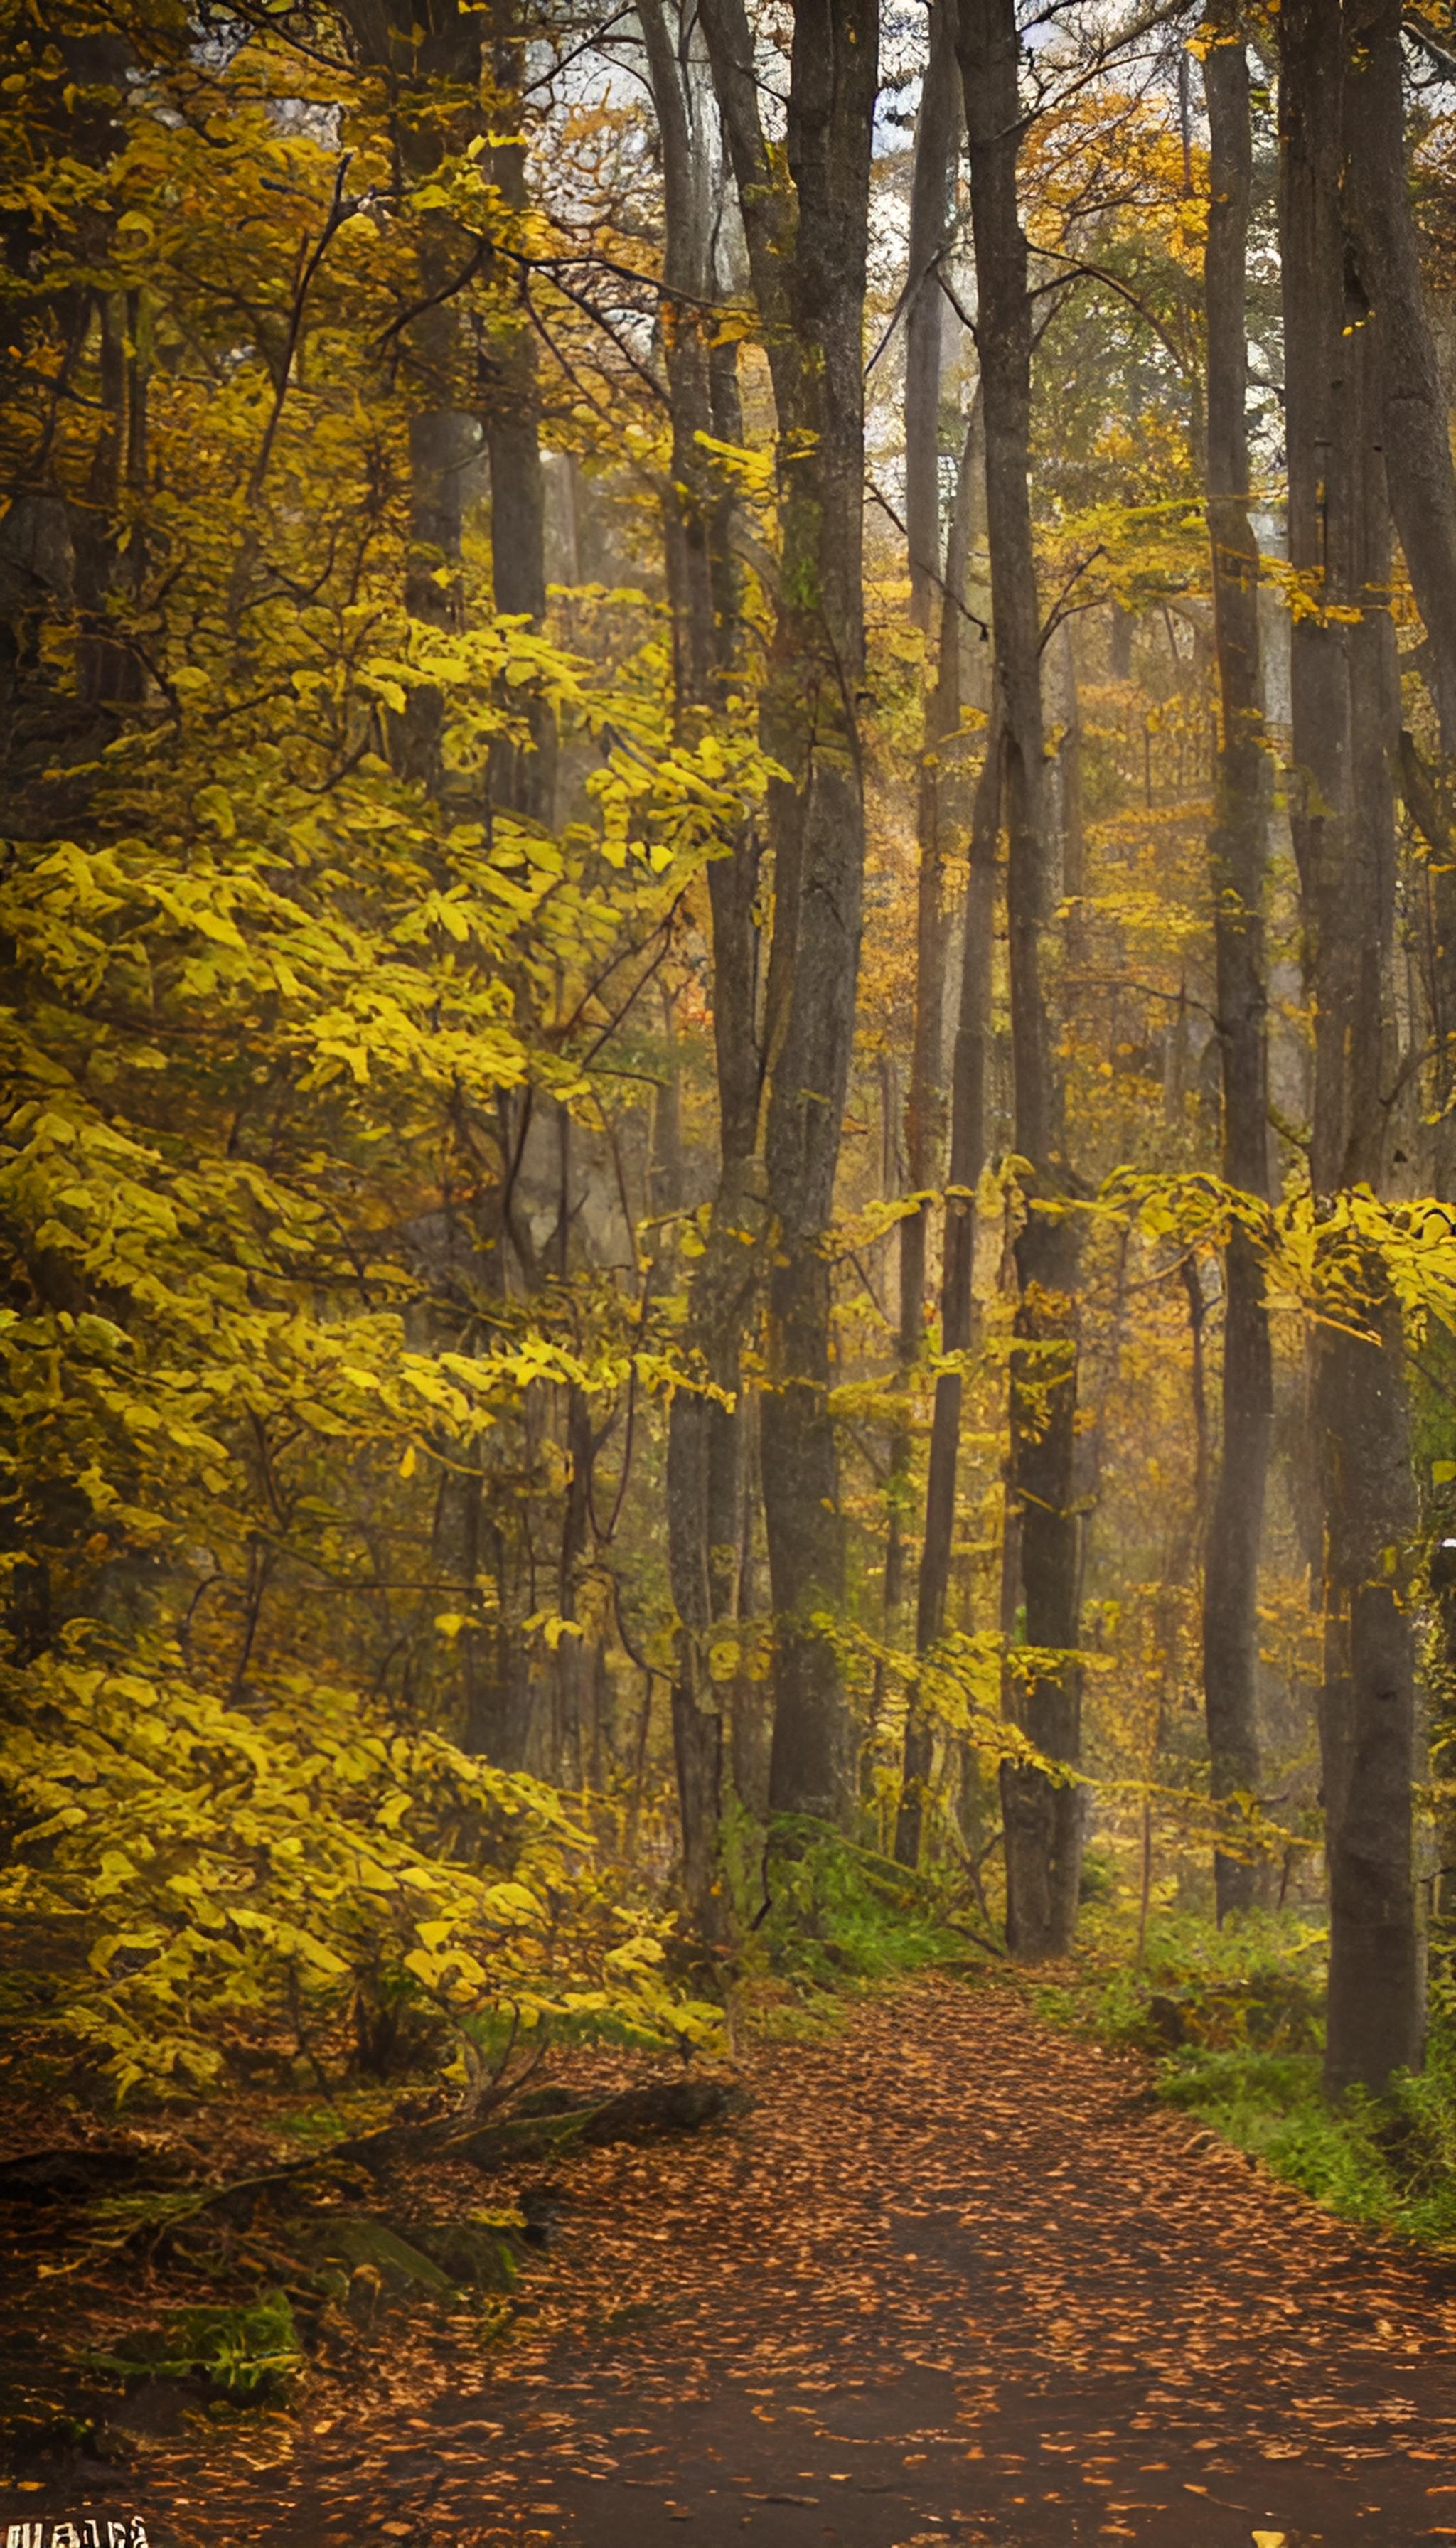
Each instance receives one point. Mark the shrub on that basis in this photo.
(838, 1913)
(191, 1883)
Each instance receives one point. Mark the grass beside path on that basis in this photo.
(1232, 2022)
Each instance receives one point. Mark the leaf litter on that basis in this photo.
(947, 2279)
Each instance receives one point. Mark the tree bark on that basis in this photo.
(1043, 1813)
(433, 76)
(967, 1159)
(1414, 412)
(1236, 857)
(705, 1435)
(925, 1108)
(807, 241)
(1345, 728)
(522, 774)
(931, 180)
(936, 139)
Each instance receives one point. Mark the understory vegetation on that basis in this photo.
(1231, 2024)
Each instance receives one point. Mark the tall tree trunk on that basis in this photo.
(807, 241)
(1345, 723)
(932, 182)
(937, 139)
(1236, 854)
(522, 782)
(432, 73)
(967, 1159)
(938, 787)
(1043, 1812)
(1414, 411)
(433, 76)
(704, 1436)
(522, 775)
(1422, 476)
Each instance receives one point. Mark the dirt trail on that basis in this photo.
(948, 2282)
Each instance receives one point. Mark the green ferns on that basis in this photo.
(248, 2355)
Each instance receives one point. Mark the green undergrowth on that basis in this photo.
(823, 1919)
(248, 2354)
(1232, 2022)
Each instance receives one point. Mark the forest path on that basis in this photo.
(949, 2281)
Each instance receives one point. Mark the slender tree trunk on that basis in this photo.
(940, 788)
(1043, 1813)
(433, 76)
(522, 775)
(1414, 411)
(1236, 854)
(1443, 1739)
(807, 240)
(1375, 2023)
(925, 1112)
(1421, 477)
(967, 1159)
(1071, 838)
(931, 180)
(109, 671)
(433, 80)
(522, 782)
(704, 1436)
(936, 137)
(1429, 803)
(1345, 724)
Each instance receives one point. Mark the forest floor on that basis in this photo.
(952, 2278)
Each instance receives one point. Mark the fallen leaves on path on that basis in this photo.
(946, 2281)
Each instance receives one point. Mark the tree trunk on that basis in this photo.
(433, 81)
(108, 671)
(937, 143)
(704, 1436)
(1421, 477)
(936, 137)
(807, 241)
(1415, 425)
(1443, 1739)
(434, 76)
(1070, 829)
(967, 1159)
(522, 775)
(1429, 803)
(1236, 856)
(925, 1109)
(1345, 724)
(1043, 1812)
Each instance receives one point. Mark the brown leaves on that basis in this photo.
(940, 2281)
